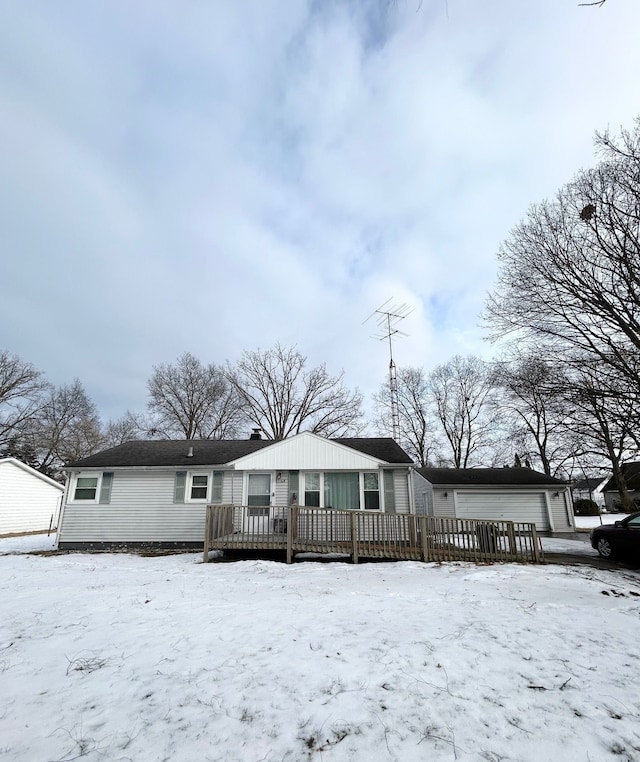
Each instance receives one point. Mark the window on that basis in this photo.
(342, 490)
(86, 488)
(312, 490)
(259, 489)
(347, 490)
(371, 492)
(199, 486)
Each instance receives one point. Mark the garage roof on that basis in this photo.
(461, 477)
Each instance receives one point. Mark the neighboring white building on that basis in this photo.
(591, 489)
(29, 500)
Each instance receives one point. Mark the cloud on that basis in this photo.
(215, 178)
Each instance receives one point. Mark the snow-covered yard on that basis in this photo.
(123, 657)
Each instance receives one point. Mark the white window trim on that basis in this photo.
(86, 475)
(189, 485)
(380, 509)
(302, 486)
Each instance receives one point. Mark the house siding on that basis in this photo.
(232, 488)
(281, 488)
(443, 506)
(401, 488)
(562, 511)
(307, 452)
(27, 502)
(141, 510)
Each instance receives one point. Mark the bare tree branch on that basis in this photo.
(192, 400)
(460, 389)
(283, 398)
(21, 390)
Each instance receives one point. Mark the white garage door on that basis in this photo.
(501, 506)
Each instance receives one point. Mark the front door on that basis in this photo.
(258, 504)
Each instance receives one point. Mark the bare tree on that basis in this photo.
(21, 389)
(66, 428)
(192, 400)
(282, 397)
(460, 389)
(130, 427)
(569, 285)
(527, 392)
(601, 420)
(419, 434)
(570, 274)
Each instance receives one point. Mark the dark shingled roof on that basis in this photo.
(170, 452)
(216, 452)
(383, 448)
(631, 473)
(453, 477)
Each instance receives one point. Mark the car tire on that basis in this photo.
(604, 547)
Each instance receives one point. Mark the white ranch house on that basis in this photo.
(157, 491)
(29, 500)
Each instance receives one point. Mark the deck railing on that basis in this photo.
(368, 534)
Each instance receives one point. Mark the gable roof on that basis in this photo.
(32, 472)
(631, 473)
(461, 477)
(216, 452)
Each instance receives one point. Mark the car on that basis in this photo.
(619, 539)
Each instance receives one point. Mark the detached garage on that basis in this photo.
(507, 494)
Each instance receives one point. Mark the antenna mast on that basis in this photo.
(388, 317)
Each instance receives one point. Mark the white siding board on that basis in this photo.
(559, 511)
(443, 506)
(281, 489)
(307, 452)
(28, 503)
(232, 488)
(401, 488)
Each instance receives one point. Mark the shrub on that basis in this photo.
(585, 507)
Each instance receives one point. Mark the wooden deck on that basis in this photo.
(368, 534)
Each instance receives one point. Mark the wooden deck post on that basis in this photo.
(207, 534)
(513, 550)
(354, 537)
(423, 538)
(291, 517)
(536, 544)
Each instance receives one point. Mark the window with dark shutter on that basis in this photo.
(105, 487)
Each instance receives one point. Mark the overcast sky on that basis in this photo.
(220, 176)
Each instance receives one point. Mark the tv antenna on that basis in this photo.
(389, 315)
